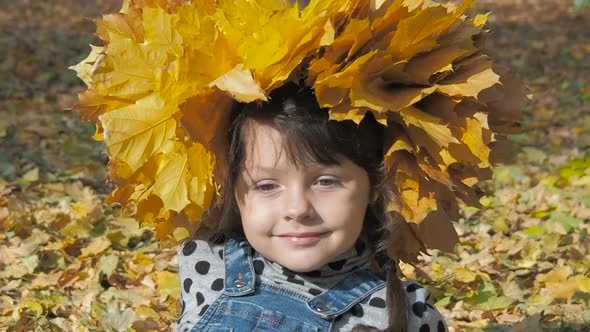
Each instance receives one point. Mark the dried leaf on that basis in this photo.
(240, 84)
(167, 282)
(117, 319)
(138, 132)
(95, 247)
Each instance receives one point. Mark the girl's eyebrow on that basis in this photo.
(310, 167)
(318, 166)
(264, 170)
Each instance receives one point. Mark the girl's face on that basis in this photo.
(300, 217)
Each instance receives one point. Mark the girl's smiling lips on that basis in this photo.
(302, 239)
(302, 235)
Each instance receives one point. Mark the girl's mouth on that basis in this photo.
(302, 238)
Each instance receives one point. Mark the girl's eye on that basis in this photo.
(327, 182)
(266, 187)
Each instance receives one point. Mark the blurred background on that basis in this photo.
(69, 263)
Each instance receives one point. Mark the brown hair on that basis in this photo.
(309, 136)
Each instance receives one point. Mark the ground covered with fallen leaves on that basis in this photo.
(70, 263)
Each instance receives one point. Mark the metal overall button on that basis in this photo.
(239, 283)
(323, 308)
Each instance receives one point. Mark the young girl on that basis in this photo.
(303, 235)
(304, 207)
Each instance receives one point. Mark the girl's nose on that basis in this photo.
(298, 204)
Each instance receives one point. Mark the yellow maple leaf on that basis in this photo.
(135, 133)
(420, 70)
(168, 283)
(85, 69)
(240, 84)
(184, 175)
(127, 24)
(474, 136)
(200, 165)
(559, 282)
(470, 80)
(92, 105)
(418, 33)
(160, 32)
(128, 69)
(331, 90)
(171, 182)
(432, 125)
(95, 247)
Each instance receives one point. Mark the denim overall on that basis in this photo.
(248, 304)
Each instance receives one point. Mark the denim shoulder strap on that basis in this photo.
(239, 271)
(346, 294)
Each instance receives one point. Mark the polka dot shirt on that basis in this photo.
(202, 275)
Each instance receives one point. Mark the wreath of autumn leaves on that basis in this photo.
(161, 86)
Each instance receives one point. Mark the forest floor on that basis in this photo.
(70, 263)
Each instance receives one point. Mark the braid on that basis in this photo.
(397, 302)
(396, 297)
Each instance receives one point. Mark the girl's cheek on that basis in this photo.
(259, 208)
(337, 196)
(334, 203)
